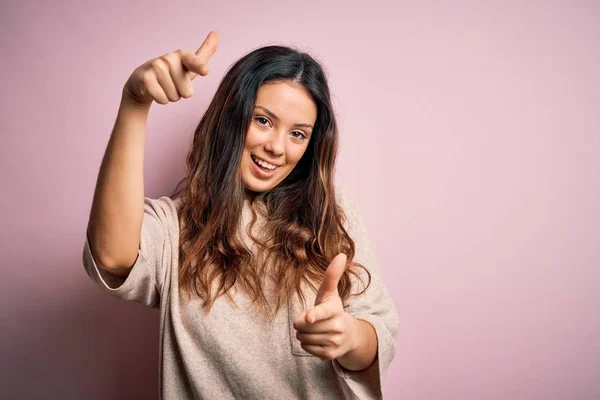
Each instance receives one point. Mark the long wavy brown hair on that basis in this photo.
(303, 227)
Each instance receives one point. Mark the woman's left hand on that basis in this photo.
(326, 330)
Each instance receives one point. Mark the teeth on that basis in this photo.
(264, 163)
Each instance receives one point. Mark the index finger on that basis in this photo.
(208, 47)
(321, 312)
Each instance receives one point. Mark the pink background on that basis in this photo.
(470, 138)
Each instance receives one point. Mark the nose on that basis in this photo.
(275, 145)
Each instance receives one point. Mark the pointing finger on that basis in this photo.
(321, 312)
(197, 63)
(208, 47)
(193, 64)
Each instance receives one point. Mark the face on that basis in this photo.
(278, 134)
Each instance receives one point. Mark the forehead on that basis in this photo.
(290, 101)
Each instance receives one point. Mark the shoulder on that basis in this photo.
(347, 202)
(163, 208)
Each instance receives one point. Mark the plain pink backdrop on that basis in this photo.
(470, 138)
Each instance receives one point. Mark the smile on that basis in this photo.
(264, 164)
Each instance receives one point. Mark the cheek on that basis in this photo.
(253, 138)
(295, 153)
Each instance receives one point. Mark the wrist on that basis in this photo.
(130, 103)
(356, 334)
(362, 353)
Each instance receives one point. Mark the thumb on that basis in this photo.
(332, 276)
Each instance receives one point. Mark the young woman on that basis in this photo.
(260, 266)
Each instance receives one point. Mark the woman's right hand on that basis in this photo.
(169, 77)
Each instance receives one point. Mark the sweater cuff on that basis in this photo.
(368, 383)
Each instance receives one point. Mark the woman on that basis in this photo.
(261, 269)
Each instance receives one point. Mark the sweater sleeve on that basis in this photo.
(374, 306)
(143, 284)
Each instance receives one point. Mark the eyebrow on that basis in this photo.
(272, 115)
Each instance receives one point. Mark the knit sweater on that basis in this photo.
(232, 352)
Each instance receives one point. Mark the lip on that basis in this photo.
(264, 159)
(260, 172)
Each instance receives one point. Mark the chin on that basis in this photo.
(257, 186)
(254, 184)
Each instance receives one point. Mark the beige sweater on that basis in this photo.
(232, 353)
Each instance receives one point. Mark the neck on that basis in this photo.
(249, 194)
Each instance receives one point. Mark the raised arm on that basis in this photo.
(118, 206)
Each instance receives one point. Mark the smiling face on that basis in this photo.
(278, 135)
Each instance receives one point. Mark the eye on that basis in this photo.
(298, 135)
(262, 120)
